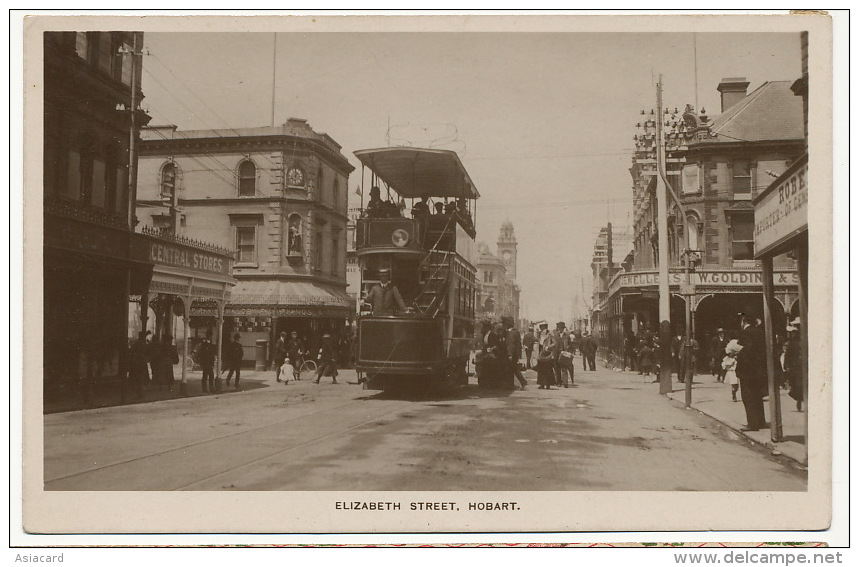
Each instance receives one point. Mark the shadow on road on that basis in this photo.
(433, 395)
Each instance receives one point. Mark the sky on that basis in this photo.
(543, 122)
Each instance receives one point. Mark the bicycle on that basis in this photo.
(303, 365)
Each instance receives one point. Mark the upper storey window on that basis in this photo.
(168, 180)
(742, 181)
(247, 179)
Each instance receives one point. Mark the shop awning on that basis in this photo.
(282, 294)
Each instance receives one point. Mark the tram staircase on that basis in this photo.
(433, 296)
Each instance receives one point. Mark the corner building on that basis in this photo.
(716, 166)
(278, 197)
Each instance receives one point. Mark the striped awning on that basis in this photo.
(278, 293)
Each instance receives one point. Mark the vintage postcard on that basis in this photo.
(331, 274)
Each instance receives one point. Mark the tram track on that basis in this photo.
(266, 442)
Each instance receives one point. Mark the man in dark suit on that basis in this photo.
(717, 353)
(385, 297)
(751, 370)
(589, 352)
(514, 349)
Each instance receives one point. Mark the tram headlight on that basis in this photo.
(400, 237)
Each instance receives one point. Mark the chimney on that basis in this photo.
(733, 90)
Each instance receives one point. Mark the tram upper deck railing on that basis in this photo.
(422, 233)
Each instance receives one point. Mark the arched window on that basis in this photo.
(168, 180)
(692, 233)
(247, 179)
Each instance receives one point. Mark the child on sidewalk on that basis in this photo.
(729, 365)
(288, 371)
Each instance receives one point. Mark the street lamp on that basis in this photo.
(691, 258)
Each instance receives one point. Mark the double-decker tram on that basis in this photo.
(415, 248)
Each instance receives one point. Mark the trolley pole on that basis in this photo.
(665, 385)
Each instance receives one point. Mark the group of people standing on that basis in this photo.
(290, 351)
(550, 353)
(152, 361)
(738, 360)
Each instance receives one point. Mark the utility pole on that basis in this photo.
(131, 212)
(665, 385)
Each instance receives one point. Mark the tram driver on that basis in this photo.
(385, 297)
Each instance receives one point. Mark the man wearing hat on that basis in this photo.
(751, 370)
(514, 349)
(717, 353)
(385, 297)
(206, 358)
(563, 364)
(327, 360)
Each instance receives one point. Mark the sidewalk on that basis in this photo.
(714, 399)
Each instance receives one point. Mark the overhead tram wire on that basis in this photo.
(211, 156)
(225, 167)
(195, 95)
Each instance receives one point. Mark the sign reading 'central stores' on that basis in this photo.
(153, 250)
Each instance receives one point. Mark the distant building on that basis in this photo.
(278, 196)
(498, 293)
(715, 166)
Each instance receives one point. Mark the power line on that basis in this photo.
(229, 181)
(209, 108)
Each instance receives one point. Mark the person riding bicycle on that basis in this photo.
(295, 350)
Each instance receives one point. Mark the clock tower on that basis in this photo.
(507, 248)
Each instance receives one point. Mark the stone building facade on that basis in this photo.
(715, 166)
(278, 197)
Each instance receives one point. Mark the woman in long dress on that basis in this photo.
(546, 363)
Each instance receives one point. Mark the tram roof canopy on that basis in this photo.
(415, 172)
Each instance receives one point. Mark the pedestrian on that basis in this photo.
(729, 365)
(751, 371)
(589, 352)
(514, 350)
(645, 360)
(169, 358)
(496, 364)
(717, 352)
(654, 345)
(563, 356)
(630, 356)
(677, 356)
(546, 364)
(528, 343)
(139, 365)
(793, 364)
(233, 357)
(279, 354)
(205, 356)
(295, 351)
(327, 360)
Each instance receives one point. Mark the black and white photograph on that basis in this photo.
(428, 274)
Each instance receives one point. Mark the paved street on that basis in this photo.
(611, 432)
